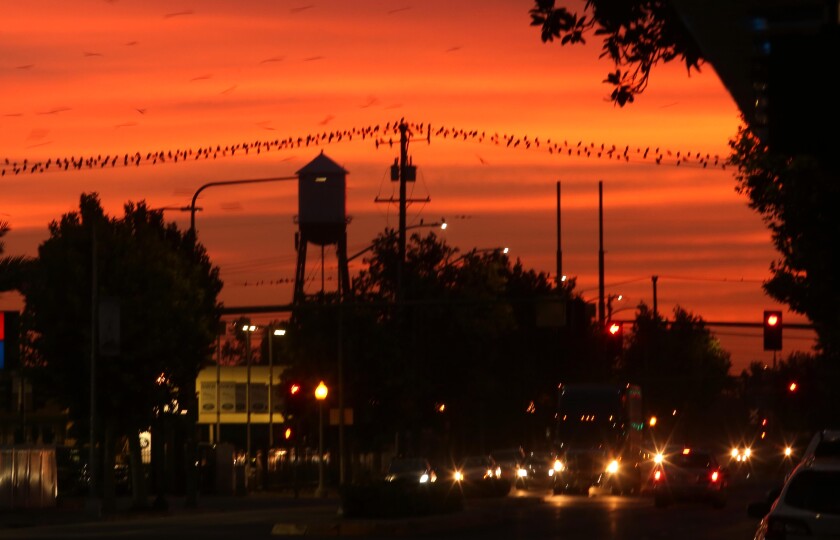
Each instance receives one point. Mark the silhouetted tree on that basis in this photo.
(681, 367)
(12, 268)
(637, 36)
(797, 198)
(166, 289)
(461, 364)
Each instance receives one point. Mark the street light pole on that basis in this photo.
(193, 208)
(248, 328)
(321, 394)
(271, 333)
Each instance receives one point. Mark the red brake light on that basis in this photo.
(657, 476)
(715, 476)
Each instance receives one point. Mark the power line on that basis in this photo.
(376, 133)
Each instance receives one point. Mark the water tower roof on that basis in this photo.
(322, 165)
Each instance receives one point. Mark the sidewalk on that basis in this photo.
(83, 510)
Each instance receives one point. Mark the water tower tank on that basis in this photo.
(322, 194)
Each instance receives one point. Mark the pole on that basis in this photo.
(559, 243)
(93, 500)
(217, 439)
(341, 472)
(320, 492)
(601, 317)
(270, 331)
(248, 406)
(227, 183)
(654, 279)
(403, 179)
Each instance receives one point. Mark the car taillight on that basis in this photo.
(657, 476)
(779, 528)
(715, 475)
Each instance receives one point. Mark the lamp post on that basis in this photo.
(248, 329)
(321, 394)
(192, 207)
(271, 333)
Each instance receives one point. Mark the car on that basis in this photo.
(579, 469)
(540, 469)
(807, 506)
(690, 474)
(824, 443)
(511, 465)
(410, 470)
(476, 469)
(481, 475)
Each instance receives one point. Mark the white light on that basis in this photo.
(443, 225)
(658, 458)
(424, 478)
(521, 472)
(612, 468)
(505, 251)
(279, 332)
(458, 476)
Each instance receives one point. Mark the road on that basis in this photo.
(532, 514)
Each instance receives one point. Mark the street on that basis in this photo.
(521, 515)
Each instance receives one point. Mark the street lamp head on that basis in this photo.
(321, 391)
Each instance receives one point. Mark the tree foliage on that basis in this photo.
(797, 197)
(12, 268)
(637, 36)
(680, 365)
(166, 290)
(461, 363)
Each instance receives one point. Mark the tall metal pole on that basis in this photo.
(654, 279)
(270, 336)
(601, 314)
(320, 492)
(340, 352)
(94, 299)
(248, 404)
(193, 208)
(559, 243)
(403, 179)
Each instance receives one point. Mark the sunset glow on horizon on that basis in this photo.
(117, 78)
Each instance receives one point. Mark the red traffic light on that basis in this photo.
(294, 388)
(772, 324)
(614, 329)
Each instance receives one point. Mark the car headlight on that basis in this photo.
(424, 478)
(498, 472)
(558, 465)
(520, 472)
(488, 473)
(612, 468)
(390, 477)
(458, 476)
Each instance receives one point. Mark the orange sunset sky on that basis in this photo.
(107, 78)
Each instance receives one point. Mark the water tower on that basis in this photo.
(322, 217)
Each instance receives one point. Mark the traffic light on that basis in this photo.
(772, 330)
(615, 337)
(294, 400)
(9, 340)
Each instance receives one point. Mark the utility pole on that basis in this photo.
(601, 317)
(403, 180)
(403, 171)
(559, 278)
(654, 279)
